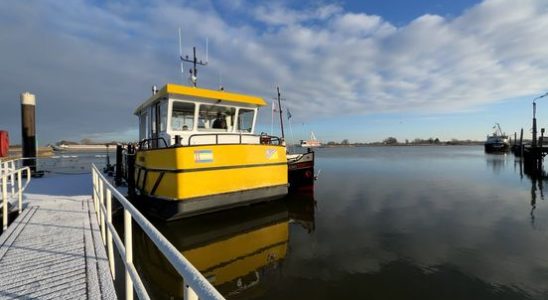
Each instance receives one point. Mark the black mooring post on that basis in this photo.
(118, 173)
(108, 157)
(539, 154)
(130, 169)
(28, 130)
(534, 142)
(521, 143)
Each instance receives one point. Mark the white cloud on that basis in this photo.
(87, 62)
(275, 13)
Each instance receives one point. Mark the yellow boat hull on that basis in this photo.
(188, 180)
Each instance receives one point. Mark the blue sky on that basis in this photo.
(357, 70)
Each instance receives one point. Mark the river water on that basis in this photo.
(447, 222)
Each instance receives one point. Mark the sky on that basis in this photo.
(356, 70)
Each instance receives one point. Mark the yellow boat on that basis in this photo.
(198, 153)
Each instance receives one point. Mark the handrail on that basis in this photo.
(272, 140)
(149, 140)
(195, 284)
(11, 172)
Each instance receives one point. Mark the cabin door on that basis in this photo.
(155, 126)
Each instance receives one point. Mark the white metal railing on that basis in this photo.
(195, 286)
(8, 174)
(8, 166)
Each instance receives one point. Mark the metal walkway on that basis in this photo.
(53, 250)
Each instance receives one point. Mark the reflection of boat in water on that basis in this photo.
(497, 142)
(312, 142)
(496, 162)
(234, 249)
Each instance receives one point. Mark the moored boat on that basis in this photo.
(301, 170)
(198, 153)
(88, 148)
(312, 142)
(497, 142)
(300, 165)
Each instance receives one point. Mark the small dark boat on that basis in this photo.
(497, 142)
(300, 168)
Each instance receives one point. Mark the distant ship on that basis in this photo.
(312, 142)
(63, 147)
(497, 142)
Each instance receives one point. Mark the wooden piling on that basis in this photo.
(539, 153)
(521, 143)
(28, 129)
(534, 141)
(118, 168)
(515, 138)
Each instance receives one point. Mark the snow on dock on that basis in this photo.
(53, 250)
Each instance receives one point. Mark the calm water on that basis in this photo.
(382, 223)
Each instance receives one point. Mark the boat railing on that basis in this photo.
(232, 138)
(212, 139)
(149, 143)
(12, 179)
(195, 285)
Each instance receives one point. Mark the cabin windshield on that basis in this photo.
(216, 118)
(182, 117)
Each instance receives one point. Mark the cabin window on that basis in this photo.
(216, 118)
(152, 126)
(245, 120)
(162, 113)
(143, 129)
(182, 117)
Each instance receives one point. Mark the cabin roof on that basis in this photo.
(175, 89)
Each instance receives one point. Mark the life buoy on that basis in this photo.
(4, 143)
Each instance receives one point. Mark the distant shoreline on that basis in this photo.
(16, 151)
(48, 151)
(401, 145)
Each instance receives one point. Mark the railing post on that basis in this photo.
(101, 213)
(20, 190)
(12, 178)
(110, 249)
(189, 293)
(128, 241)
(4, 202)
(95, 188)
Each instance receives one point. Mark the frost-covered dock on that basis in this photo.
(61, 245)
(53, 250)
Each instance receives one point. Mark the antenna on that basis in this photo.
(181, 54)
(193, 71)
(221, 87)
(280, 107)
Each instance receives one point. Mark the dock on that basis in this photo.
(62, 243)
(53, 249)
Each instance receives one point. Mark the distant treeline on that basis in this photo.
(392, 141)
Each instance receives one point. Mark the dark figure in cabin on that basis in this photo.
(220, 122)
